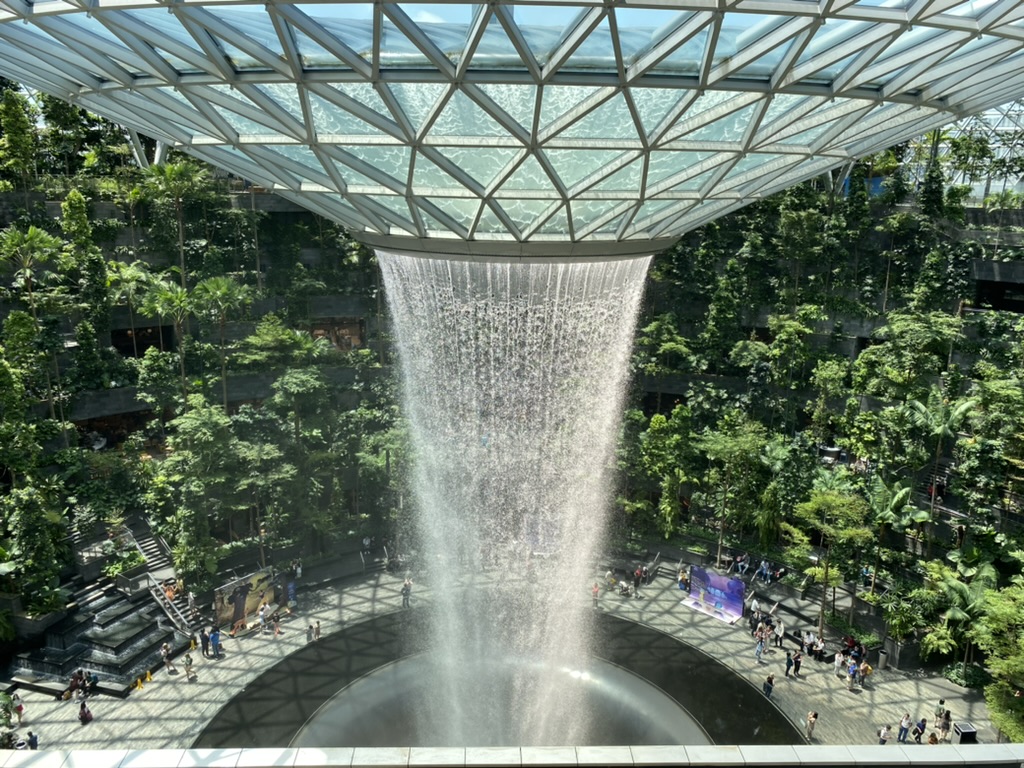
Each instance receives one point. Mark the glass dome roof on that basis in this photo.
(554, 126)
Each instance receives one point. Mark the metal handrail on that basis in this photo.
(175, 615)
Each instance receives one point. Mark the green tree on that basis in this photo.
(17, 139)
(176, 183)
(34, 526)
(217, 297)
(165, 299)
(734, 453)
(839, 518)
(938, 419)
(128, 283)
(999, 633)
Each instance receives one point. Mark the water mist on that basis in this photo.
(513, 377)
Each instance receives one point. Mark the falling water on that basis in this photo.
(513, 379)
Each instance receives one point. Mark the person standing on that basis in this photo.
(276, 621)
(595, 593)
(798, 659)
(165, 654)
(780, 633)
(204, 641)
(215, 642)
(789, 662)
(192, 607)
(33, 741)
(189, 668)
(812, 720)
(407, 593)
(17, 707)
(309, 634)
(851, 674)
(904, 730)
(940, 708)
(883, 734)
(316, 631)
(839, 663)
(769, 686)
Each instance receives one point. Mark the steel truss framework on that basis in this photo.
(516, 123)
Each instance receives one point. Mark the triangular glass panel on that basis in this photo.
(664, 164)
(609, 227)
(298, 154)
(625, 180)
(732, 127)
(558, 100)
(525, 212)
(763, 163)
(350, 23)
(641, 28)
(398, 205)
(166, 26)
(434, 225)
(519, 101)
(417, 100)
(693, 184)
(244, 126)
(496, 51)
(542, 26)
(313, 55)
(482, 163)
(444, 25)
(392, 160)
(285, 95)
(686, 58)
(764, 66)
(574, 165)
(805, 138)
(649, 212)
(340, 203)
(462, 116)
(353, 177)
(558, 224)
(330, 119)
(180, 65)
(489, 223)
(365, 94)
(242, 61)
(653, 104)
(585, 212)
(426, 175)
(462, 210)
(596, 52)
(258, 27)
(529, 175)
(781, 106)
(611, 120)
(397, 50)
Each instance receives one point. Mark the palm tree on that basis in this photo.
(27, 252)
(890, 506)
(168, 300)
(176, 183)
(217, 296)
(939, 420)
(128, 282)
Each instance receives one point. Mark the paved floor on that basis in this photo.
(170, 711)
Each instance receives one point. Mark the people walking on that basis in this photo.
(33, 741)
(17, 707)
(812, 720)
(919, 728)
(789, 662)
(189, 666)
(769, 686)
(945, 724)
(884, 733)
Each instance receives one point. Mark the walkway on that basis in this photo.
(170, 712)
